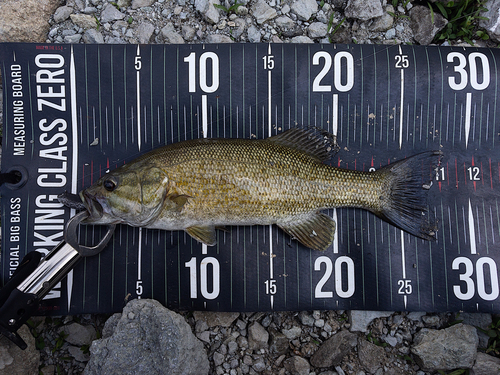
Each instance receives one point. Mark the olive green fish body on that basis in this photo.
(202, 184)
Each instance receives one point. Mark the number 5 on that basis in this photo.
(138, 63)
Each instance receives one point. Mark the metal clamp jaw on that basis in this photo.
(34, 278)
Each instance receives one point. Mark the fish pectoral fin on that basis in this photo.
(205, 235)
(179, 200)
(315, 231)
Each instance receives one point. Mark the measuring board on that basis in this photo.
(71, 113)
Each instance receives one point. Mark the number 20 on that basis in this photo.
(343, 260)
(337, 71)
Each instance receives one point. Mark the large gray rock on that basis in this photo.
(424, 30)
(364, 10)
(478, 320)
(302, 39)
(384, 22)
(304, 9)
(136, 4)
(223, 319)
(79, 334)
(218, 38)
(171, 36)
(278, 342)
(446, 349)
(92, 36)
(239, 28)
(371, 356)
(486, 365)
(253, 34)
(263, 12)
(257, 337)
(292, 333)
(148, 339)
(297, 365)
(110, 13)
(331, 352)
(207, 10)
(85, 21)
(317, 30)
(361, 319)
(284, 22)
(145, 32)
(14, 361)
(62, 13)
(492, 24)
(26, 20)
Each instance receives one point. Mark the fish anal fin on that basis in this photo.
(203, 234)
(315, 230)
(313, 141)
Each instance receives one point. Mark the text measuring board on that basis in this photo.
(71, 113)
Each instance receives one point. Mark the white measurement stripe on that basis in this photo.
(335, 114)
(401, 108)
(204, 115)
(403, 263)
(74, 162)
(204, 122)
(403, 260)
(472, 231)
(335, 235)
(139, 261)
(468, 101)
(138, 83)
(269, 104)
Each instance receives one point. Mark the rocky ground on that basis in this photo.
(147, 338)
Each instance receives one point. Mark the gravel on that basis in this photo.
(312, 342)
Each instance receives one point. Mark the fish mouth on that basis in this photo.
(95, 209)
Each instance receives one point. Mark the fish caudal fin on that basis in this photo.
(404, 199)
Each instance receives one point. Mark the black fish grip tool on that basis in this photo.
(35, 277)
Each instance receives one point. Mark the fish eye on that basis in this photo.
(109, 184)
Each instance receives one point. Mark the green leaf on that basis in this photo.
(338, 26)
(218, 6)
(432, 12)
(492, 333)
(442, 10)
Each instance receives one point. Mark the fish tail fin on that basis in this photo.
(405, 190)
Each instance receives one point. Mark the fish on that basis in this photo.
(206, 184)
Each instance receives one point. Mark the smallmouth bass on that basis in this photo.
(204, 184)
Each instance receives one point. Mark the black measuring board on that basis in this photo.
(73, 112)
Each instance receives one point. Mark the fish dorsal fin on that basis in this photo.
(313, 141)
(315, 230)
(204, 234)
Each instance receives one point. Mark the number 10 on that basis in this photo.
(204, 86)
